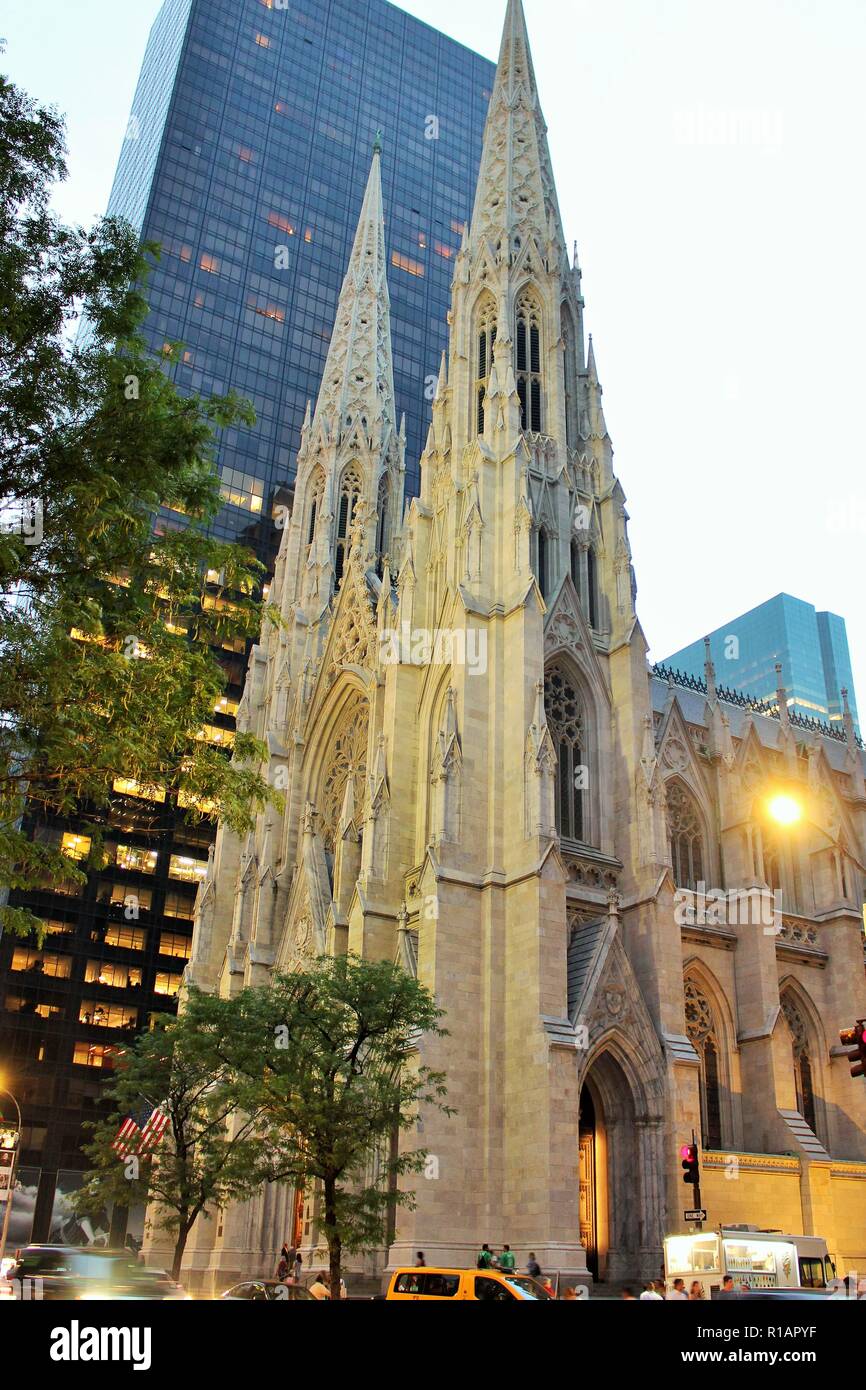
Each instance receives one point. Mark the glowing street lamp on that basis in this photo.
(785, 810)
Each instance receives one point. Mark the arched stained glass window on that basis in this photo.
(701, 1028)
(687, 841)
(529, 362)
(350, 491)
(802, 1060)
(566, 722)
(486, 342)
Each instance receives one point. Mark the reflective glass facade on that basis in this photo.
(246, 158)
(812, 648)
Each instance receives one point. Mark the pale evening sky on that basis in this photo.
(709, 163)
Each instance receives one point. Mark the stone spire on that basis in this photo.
(516, 195)
(358, 380)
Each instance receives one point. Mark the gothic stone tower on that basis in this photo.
(485, 782)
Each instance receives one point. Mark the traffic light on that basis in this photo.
(691, 1169)
(857, 1054)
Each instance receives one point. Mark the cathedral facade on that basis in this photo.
(485, 780)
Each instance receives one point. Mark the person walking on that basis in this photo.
(650, 1294)
(420, 1262)
(485, 1258)
(696, 1292)
(299, 1264)
(533, 1268)
(506, 1260)
(678, 1292)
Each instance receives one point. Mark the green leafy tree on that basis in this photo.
(209, 1154)
(108, 627)
(326, 1059)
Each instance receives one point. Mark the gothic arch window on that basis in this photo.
(703, 1035)
(772, 861)
(592, 587)
(382, 525)
(485, 342)
(350, 491)
(686, 837)
(346, 757)
(575, 565)
(569, 377)
(801, 1053)
(566, 720)
(316, 493)
(529, 384)
(544, 562)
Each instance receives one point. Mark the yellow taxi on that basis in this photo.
(426, 1285)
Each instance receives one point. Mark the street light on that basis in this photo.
(784, 809)
(15, 1148)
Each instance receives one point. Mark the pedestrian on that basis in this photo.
(678, 1292)
(299, 1264)
(628, 1296)
(506, 1260)
(696, 1292)
(319, 1288)
(650, 1294)
(282, 1268)
(420, 1262)
(485, 1258)
(727, 1290)
(533, 1268)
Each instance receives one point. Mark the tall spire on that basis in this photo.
(358, 380)
(516, 196)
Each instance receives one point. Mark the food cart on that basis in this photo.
(759, 1259)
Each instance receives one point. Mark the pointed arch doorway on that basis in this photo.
(621, 1173)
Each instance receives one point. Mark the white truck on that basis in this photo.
(752, 1257)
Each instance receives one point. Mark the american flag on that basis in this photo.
(127, 1137)
(141, 1130)
(154, 1129)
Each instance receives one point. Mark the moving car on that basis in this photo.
(268, 1291)
(482, 1286)
(76, 1272)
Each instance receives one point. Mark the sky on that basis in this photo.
(709, 162)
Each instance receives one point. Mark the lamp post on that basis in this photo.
(10, 1189)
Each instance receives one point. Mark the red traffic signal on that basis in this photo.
(691, 1170)
(857, 1053)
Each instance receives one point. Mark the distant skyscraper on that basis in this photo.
(812, 648)
(246, 157)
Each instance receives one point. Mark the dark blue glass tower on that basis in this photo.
(246, 157)
(811, 647)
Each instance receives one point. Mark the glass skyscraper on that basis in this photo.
(812, 648)
(246, 156)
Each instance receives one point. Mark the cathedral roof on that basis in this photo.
(693, 704)
(516, 195)
(358, 380)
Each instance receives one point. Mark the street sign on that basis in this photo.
(695, 1215)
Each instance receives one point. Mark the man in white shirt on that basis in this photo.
(678, 1292)
(651, 1294)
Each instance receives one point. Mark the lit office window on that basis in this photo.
(187, 870)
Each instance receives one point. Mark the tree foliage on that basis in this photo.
(208, 1156)
(327, 1060)
(108, 628)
